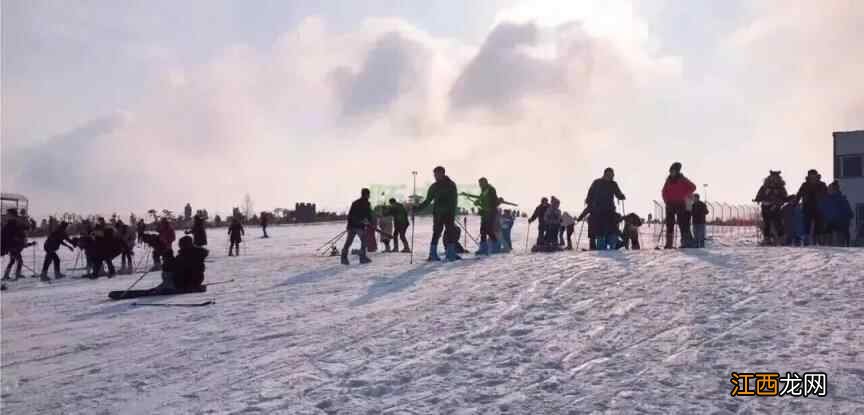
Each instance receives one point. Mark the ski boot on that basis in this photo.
(364, 259)
(44, 278)
(495, 247)
(345, 261)
(451, 253)
(406, 250)
(59, 276)
(433, 252)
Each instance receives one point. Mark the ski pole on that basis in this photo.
(332, 240)
(219, 282)
(412, 235)
(527, 236)
(579, 238)
(134, 283)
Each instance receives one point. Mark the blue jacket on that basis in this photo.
(835, 208)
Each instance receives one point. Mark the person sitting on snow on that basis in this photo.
(185, 272)
(632, 222)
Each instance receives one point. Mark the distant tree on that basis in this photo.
(248, 206)
(187, 212)
(217, 220)
(168, 214)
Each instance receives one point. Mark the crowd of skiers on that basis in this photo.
(818, 214)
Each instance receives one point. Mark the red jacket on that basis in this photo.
(678, 190)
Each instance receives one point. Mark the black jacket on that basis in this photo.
(52, 243)
(187, 268)
(360, 211)
(700, 212)
(539, 213)
(446, 198)
(811, 193)
(600, 196)
(199, 235)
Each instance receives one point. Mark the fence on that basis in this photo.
(741, 222)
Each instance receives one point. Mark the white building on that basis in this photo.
(849, 171)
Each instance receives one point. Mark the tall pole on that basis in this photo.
(414, 197)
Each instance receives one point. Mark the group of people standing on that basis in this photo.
(818, 214)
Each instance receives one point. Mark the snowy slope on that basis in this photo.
(571, 332)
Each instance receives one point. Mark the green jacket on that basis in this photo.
(445, 195)
(399, 213)
(488, 200)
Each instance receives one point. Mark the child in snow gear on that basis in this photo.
(506, 221)
(539, 214)
(793, 222)
(359, 218)
(160, 250)
(838, 216)
(568, 225)
(810, 195)
(400, 225)
(601, 205)
(167, 233)
(52, 244)
(699, 212)
(771, 197)
(235, 232)
(676, 190)
(552, 220)
(185, 272)
(199, 233)
(385, 229)
(630, 235)
(445, 195)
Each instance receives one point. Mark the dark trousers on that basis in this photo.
(126, 259)
(97, 266)
(51, 257)
(487, 227)
(676, 212)
(631, 238)
(772, 222)
(399, 233)
(354, 232)
(569, 229)
(14, 259)
(446, 224)
(552, 234)
(541, 232)
(814, 225)
(264, 229)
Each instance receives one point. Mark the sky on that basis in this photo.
(123, 106)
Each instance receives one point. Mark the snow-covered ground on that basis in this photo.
(571, 332)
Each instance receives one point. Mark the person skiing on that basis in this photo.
(126, 235)
(265, 219)
(539, 215)
(14, 240)
(400, 224)
(385, 230)
(198, 231)
(700, 213)
(552, 220)
(793, 222)
(676, 190)
(52, 244)
(568, 225)
(359, 218)
(106, 246)
(838, 215)
(487, 207)
(507, 221)
(771, 196)
(185, 272)
(141, 229)
(810, 194)
(235, 236)
(601, 206)
(445, 196)
(630, 234)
